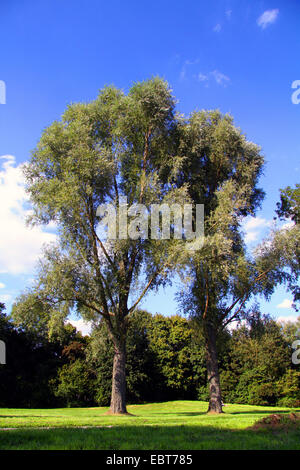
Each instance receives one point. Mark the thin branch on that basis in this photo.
(143, 293)
(206, 301)
(147, 288)
(247, 294)
(237, 312)
(90, 216)
(144, 164)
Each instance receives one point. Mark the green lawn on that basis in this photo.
(179, 425)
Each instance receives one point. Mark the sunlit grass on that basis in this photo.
(169, 425)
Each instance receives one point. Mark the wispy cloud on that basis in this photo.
(286, 303)
(217, 28)
(202, 77)
(189, 71)
(268, 17)
(214, 76)
(220, 78)
(184, 69)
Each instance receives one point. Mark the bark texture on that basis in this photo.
(118, 394)
(213, 377)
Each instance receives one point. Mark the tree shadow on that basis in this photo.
(25, 416)
(266, 412)
(181, 413)
(124, 437)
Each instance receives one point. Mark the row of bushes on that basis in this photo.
(165, 361)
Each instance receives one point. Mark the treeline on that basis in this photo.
(165, 361)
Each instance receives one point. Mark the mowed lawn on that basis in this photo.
(178, 425)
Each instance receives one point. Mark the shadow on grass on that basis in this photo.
(150, 438)
(265, 412)
(24, 416)
(181, 413)
(225, 413)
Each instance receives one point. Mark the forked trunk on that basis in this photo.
(213, 377)
(118, 393)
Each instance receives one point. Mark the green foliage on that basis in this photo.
(111, 147)
(222, 170)
(76, 384)
(165, 360)
(278, 258)
(170, 341)
(32, 364)
(139, 360)
(258, 358)
(289, 330)
(289, 388)
(289, 205)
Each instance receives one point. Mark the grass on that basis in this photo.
(179, 425)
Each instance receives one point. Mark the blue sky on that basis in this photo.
(239, 56)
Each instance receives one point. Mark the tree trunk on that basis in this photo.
(213, 377)
(118, 393)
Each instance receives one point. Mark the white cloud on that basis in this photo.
(5, 298)
(288, 225)
(255, 222)
(182, 73)
(81, 325)
(286, 303)
(187, 63)
(218, 77)
(236, 324)
(217, 28)
(2, 285)
(188, 69)
(289, 318)
(268, 17)
(251, 237)
(20, 245)
(202, 77)
(253, 227)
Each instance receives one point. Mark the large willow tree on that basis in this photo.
(222, 170)
(98, 153)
